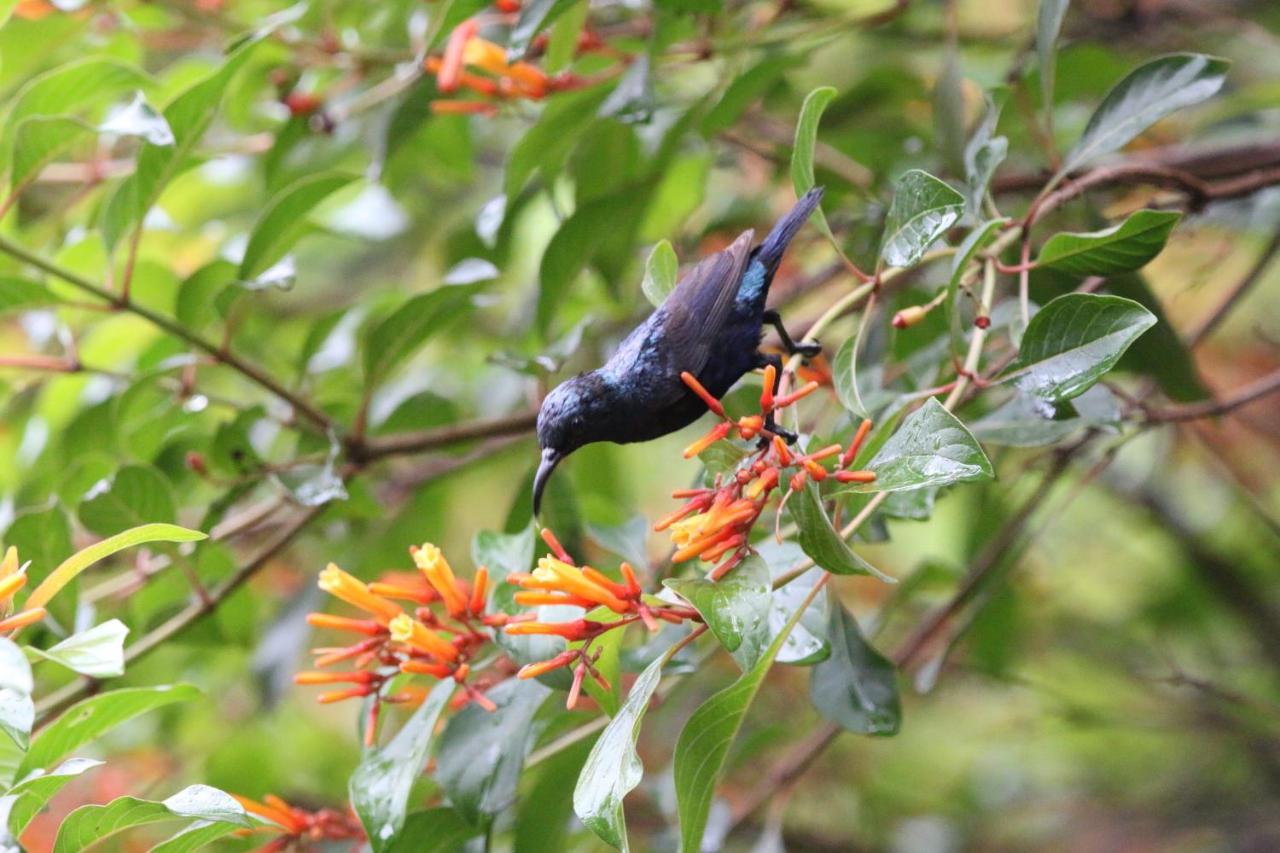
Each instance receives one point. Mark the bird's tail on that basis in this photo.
(770, 252)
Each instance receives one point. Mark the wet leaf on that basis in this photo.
(17, 711)
(931, 448)
(982, 155)
(856, 687)
(735, 608)
(922, 210)
(89, 824)
(97, 652)
(1147, 95)
(379, 787)
(32, 793)
(821, 541)
(135, 495)
(1123, 247)
(1075, 339)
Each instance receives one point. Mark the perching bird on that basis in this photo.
(709, 325)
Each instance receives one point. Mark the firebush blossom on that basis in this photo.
(715, 523)
(13, 577)
(439, 637)
(299, 825)
(559, 580)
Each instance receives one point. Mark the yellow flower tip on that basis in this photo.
(353, 591)
(401, 628)
(9, 564)
(11, 583)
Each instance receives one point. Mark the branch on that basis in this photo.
(250, 371)
(1255, 390)
(1200, 332)
(363, 451)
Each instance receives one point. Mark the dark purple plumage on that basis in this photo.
(709, 325)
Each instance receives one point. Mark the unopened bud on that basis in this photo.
(909, 316)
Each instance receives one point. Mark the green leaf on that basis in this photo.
(544, 147)
(660, 272)
(284, 221)
(563, 43)
(433, 831)
(17, 711)
(188, 115)
(821, 541)
(932, 448)
(379, 787)
(1071, 342)
(43, 538)
(1147, 95)
(90, 718)
(89, 824)
(450, 14)
(195, 837)
(982, 155)
(922, 210)
(97, 652)
(704, 743)
(802, 177)
(745, 89)
(1048, 25)
(1028, 421)
(973, 242)
(856, 687)
(535, 15)
(32, 793)
(397, 337)
(613, 768)
(134, 495)
(18, 294)
(81, 560)
(1124, 247)
(735, 608)
(482, 752)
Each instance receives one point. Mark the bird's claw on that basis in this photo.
(809, 350)
(785, 434)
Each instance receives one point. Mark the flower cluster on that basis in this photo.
(559, 580)
(715, 523)
(299, 825)
(481, 67)
(440, 642)
(13, 577)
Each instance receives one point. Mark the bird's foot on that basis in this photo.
(785, 434)
(809, 350)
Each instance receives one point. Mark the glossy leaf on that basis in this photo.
(97, 652)
(922, 210)
(285, 220)
(1048, 25)
(704, 743)
(33, 792)
(983, 153)
(482, 752)
(821, 541)
(379, 787)
(188, 116)
(1075, 339)
(89, 824)
(197, 836)
(802, 151)
(1147, 95)
(433, 831)
(17, 710)
(660, 273)
(393, 340)
(81, 560)
(1123, 247)
(735, 608)
(90, 718)
(535, 16)
(932, 448)
(135, 495)
(1028, 421)
(856, 687)
(613, 768)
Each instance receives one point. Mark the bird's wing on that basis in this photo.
(700, 304)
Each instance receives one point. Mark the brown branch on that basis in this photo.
(120, 301)
(1208, 324)
(363, 451)
(1251, 392)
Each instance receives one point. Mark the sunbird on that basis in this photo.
(709, 325)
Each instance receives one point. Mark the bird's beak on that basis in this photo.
(550, 459)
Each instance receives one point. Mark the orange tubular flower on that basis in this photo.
(339, 584)
(578, 629)
(706, 396)
(454, 53)
(11, 583)
(421, 639)
(555, 574)
(846, 458)
(799, 394)
(22, 619)
(312, 678)
(855, 476)
(418, 667)
(440, 575)
(342, 623)
(479, 590)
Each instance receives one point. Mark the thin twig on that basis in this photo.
(1255, 390)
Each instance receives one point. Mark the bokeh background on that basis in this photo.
(1115, 685)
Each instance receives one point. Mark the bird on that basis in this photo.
(709, 325)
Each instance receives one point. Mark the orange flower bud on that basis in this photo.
(909, 316)
(533, 670)
(749, 426)
(855, 445)
(451, 65)
(633, 584)
(766, 394)
(696, 387)
(342, 623)
(22, 619)
(464, 108)
(340, 695)
(799, 394)
(479, 591)
(11, 583)
(440, 575)
(856, 476)
(554, 544)
(559, 575)
(578, 629)
(312, 678)
(718, 432)
(404, 593)
(421, 667)
(484, 54)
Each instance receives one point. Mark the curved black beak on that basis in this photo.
(550, 459)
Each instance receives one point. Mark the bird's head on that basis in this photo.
(569, 418)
